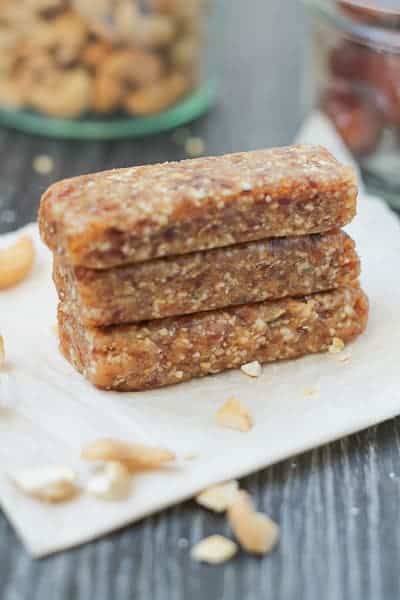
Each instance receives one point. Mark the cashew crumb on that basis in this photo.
(256, 532)
(234, 415)
(46, 483)
(110, 482)
(215, 549)
(16, 262)
(252, 369)
(218, 497)
(43, 164)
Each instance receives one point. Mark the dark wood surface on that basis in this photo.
(338, 506)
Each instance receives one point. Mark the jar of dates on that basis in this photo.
(106, 68)
(356, 74)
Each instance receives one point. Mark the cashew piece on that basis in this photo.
(2, 352)
(65, 36)
(16, 262)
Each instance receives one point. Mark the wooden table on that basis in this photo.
(338, 506)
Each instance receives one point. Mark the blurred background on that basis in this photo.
(262, 45)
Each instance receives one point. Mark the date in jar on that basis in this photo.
(356, 75)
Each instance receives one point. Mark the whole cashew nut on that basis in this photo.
(16, 262)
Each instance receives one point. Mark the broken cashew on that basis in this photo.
(111, 482)
(133, 456)
(256, 532)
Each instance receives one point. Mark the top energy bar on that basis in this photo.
(140, 213)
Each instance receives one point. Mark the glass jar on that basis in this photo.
(106, 68)
(356, 83)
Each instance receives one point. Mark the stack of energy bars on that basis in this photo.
(178, 270)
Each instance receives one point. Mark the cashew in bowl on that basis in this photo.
(158, 96)
(121, 70)
(65, 94)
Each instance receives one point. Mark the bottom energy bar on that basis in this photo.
(172, 350)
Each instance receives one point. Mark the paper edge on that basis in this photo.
(186, 496)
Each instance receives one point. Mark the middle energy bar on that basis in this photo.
(202, 281)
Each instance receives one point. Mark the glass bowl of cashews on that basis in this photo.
(93, 69)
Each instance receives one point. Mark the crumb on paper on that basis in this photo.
(195, 146)
(256, 532)
(336, 346)
(344, 357)
(215, 549)
(46, 483)
(252, 369)
(111, 482)
(43, 164)
(2, 352)
(133, 456)
(234, 415)
(218, 497)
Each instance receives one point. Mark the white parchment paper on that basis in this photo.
(48, 411)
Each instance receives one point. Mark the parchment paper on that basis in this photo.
(48, 410)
